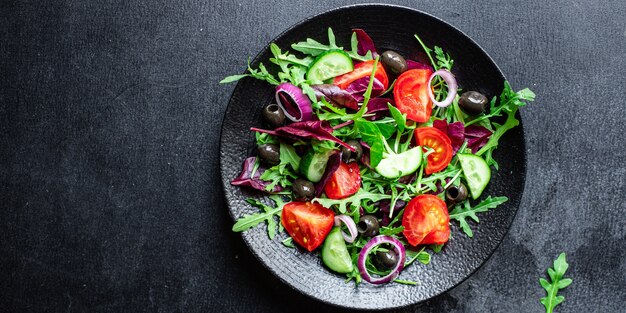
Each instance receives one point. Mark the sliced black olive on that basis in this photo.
(394, 62)
(303, 189)
(368, 226)
(456, 194)
(269, 153)
(274, 115)
(348, 155)
(473, 102)
(386, 259)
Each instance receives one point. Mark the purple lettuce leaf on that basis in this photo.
(319, 130)
(365, 156)
(333, 164)
(335, 95)
(378, 107)
(475, 135)
(411, 65)
(365, 43)
(246, 178)
(358, 87)
(455, 131)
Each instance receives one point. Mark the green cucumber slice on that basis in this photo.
(396, 165)
(477, 173)
(329, 64)
(313, 165)
(335, 253)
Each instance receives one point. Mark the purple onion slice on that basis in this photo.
(397, 247)
(296, 105)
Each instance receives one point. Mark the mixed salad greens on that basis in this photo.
(369, 156)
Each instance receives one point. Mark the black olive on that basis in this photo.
(386, 259)
(368, 226)
(394, 62)
(274, 115)
(348, 155)
(303, 189)
(473, 102)
(270, 153)
(456, 194)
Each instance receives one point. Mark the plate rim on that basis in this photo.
(520, 129)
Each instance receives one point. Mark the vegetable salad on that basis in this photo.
(369, 156)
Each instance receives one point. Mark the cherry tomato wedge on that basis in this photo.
(434, 138)
(411, 94)
(344, 182)
(361, 70)
(307, 223)
(426, 221)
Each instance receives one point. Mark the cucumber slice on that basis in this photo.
(313, 165)
(396, 165)
(477, 173)
(335, 253)
(329, 64)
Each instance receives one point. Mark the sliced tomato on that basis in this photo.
(307, 223)
(361, 70)
(434, 138)
(344, 182)
(426, 221)
(411, 94)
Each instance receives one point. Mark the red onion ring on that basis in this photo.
(349, 222)
(452, 88)
(397, 247)
(287, 93)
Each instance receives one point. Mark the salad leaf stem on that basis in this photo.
(368, 91)
(465, 210)
(551, 300)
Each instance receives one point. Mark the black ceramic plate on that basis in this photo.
(390, 27)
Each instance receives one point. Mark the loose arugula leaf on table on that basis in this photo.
(268, 214)
(465, 210)
(552, 299)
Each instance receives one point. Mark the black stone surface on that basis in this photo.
(110, 197)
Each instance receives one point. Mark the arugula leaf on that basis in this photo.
(422, 256)
(353, 201)
(268, 214)
(314, 48)
(263, 138)
(390, 231)
(353, 53)
(398, 117)
(405, 282)
(370, 133)
(464, 210)
(261, 74)
(436, 248)
(233, 78)
(278, 174)
(510, 102)
(444, 61)
(288, 155)
(284, 59)
(288, 242)
(551, 300)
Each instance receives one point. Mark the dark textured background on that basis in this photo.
(109, 126)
